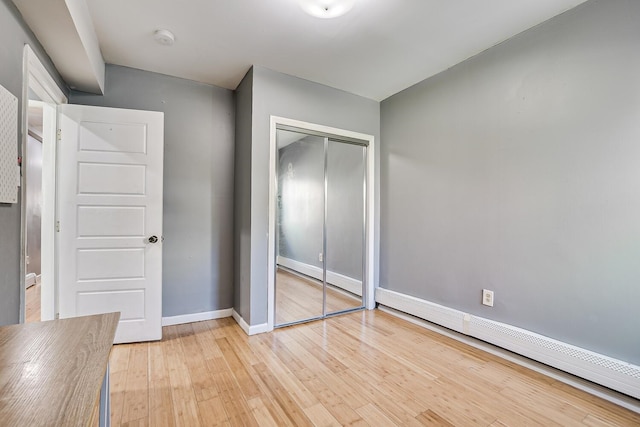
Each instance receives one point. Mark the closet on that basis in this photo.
(320, 225)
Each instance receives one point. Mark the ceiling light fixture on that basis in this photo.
(164, 37)
(326, 8)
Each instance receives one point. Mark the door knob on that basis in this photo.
(152, 239)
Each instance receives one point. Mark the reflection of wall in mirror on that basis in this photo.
(301, 200)
(301, 205)
(345, 209)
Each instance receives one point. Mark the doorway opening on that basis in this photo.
(32, 167)
(40, 98)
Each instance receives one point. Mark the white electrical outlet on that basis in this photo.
(320, 257)
(28, 260)
(487, 297)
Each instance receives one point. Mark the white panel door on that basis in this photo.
(110, 217)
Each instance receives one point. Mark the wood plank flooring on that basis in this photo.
(366, 368)
(362, 369)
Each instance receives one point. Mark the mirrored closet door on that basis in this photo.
(299, 222)
(320, 226)
(345, 226)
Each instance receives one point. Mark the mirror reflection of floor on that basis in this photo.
(32, 303)
(299, 298)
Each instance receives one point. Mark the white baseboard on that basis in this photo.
(196, 317)
(249, 330)
(336, 279)
(572, 380)
(30, 280)
(600, 369)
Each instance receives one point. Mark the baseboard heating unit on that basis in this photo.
(615, 374)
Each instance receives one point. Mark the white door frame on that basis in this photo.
(370, 209)
(37, 78)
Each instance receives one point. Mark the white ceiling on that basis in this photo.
(376, 50)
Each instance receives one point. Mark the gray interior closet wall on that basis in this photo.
(282, 95)
(198, 182)
(14, 34)
(519, 171)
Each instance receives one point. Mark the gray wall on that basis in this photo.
(198, 182)
(518, 171)
(242, 200)
(286, 96)
(301, 212)
(34, 203)
(14, 34)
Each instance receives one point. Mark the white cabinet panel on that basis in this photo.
(116, 137)
(100, 264)
(105, 221)
(99, 178)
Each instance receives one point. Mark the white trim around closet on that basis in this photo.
(371, 220)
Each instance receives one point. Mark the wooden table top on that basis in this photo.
(51, 372)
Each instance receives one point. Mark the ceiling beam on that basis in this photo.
(65, 30)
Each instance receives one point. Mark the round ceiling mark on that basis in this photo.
(164, 37)
(326, 8)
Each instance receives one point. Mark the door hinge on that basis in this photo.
(57, 316)
(57, 226)
(59, 134)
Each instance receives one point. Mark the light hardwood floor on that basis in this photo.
(363, 368)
